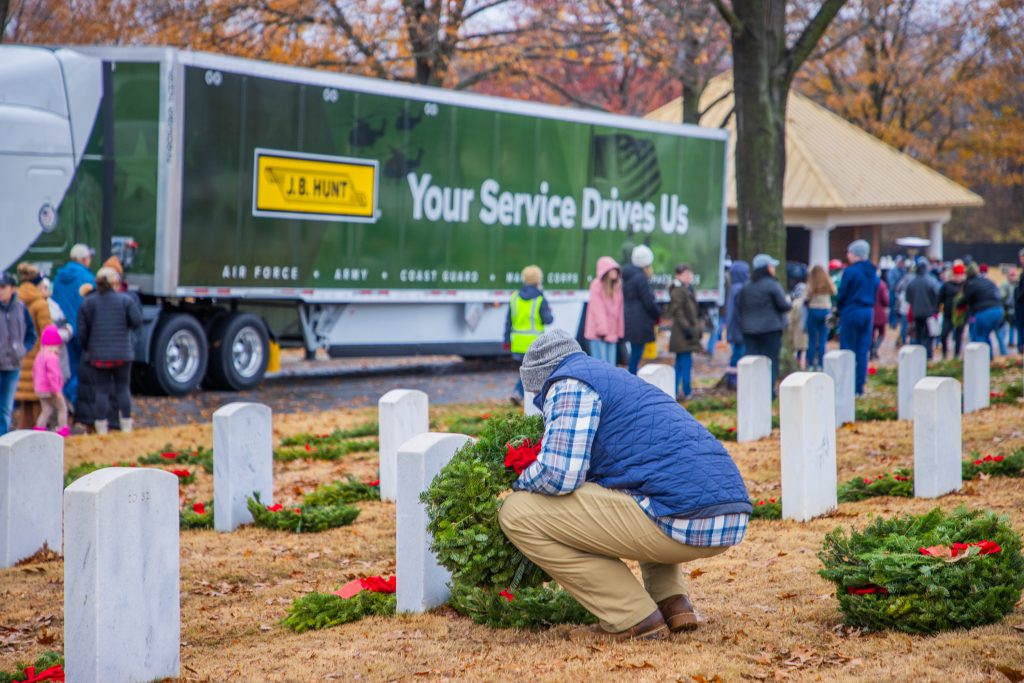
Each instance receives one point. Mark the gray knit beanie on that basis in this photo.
(544, 355)
(860, 248)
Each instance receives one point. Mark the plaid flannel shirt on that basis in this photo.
(572, 413)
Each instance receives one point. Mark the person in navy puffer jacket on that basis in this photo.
(856, 304)
(623, 472)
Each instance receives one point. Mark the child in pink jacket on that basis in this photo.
(48, 381)
(604, 325)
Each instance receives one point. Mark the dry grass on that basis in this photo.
(769, 614)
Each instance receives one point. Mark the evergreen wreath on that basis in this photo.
(324, 610)
(899, 484)
(49, 666)
(926, 573)
(462, 510)
(310, 519)
(199, 516)
(338, 492)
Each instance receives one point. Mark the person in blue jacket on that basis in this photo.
(856, 304)
(623, 472)
(67, 285)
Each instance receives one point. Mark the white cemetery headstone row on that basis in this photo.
(840, 366)
(807, 421)
(422, 582)
(401, 415)
(976, 377)
(753, 398)
(122, 614)
(661, 376)
(243, 462)
(937, 437)
(31, 490)
(913, 367)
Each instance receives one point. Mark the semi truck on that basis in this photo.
(254, 203)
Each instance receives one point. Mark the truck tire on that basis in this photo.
(239, 351)
(179, 354)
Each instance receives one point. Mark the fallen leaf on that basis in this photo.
(697, 572)
(621, 666)
(786, 596)
(45, 637)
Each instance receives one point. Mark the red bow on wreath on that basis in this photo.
(54, 673)
(521, 456)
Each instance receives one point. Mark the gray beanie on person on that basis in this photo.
(860, 248)
(544, 355)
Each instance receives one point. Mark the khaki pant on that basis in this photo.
(579, 539)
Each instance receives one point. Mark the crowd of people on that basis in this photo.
(926, 302)
(66, 346)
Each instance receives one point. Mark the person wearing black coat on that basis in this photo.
(105, 321)
(762, 305)
(947, 303)
(981, 296)
(641, 310)
(923, 296)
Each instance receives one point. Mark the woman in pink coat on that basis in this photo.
(605, 323)
(48, 381)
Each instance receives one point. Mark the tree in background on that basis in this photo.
(941, 82)
(419, 41)
(764, 66)
(619, 55)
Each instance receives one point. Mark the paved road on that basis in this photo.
(325, 385)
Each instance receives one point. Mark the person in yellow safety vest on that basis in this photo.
(528, 313)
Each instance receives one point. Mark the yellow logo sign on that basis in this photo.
(314, 187)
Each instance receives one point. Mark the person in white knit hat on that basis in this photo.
(641, 310)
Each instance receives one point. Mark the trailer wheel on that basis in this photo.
(179, 354)
(239, 351)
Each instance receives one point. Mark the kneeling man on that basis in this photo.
(624, 472)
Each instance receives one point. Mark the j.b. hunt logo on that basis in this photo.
(314, 186)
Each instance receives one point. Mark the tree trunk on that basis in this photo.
(5, 7)
(761, 89)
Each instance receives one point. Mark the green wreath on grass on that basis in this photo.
(492, 582)
(926, 573)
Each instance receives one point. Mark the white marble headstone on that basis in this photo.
(243, 462)
(661, 376)
(807, 421)
(528, 407)
(422, 582)
(913, 367)
(976, 377)
(839, 365)
(753, 398)
(31, 490)
(122, 618)
(937, 438)
(401, 415)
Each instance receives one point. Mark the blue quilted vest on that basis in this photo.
(647, 444)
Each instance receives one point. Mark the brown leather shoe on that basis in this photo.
(651, 628)
(679, 613)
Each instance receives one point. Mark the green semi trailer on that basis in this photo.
(251, 201)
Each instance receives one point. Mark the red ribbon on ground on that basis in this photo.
(374, 584)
